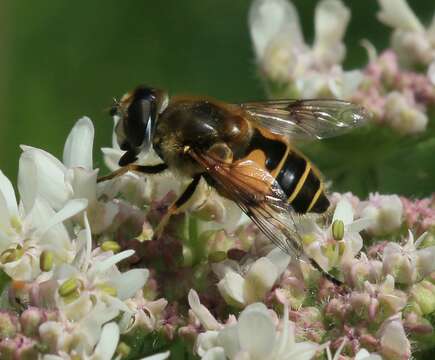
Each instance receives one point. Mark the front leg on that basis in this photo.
(144, 169)
(177, 204)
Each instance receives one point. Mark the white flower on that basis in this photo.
(393, 340)
(104, 350)
(285, 58)
(147, 315)
(410, 39)
(58, 182)
(407, 263)
(95, 278)
(363, 354)
(403, 115)
(386, 212)
(240, 288)
(28, 230)
(255, 336)
(337, 244)
(86, 337)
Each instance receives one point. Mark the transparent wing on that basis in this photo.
(259, 196)
(307, 119)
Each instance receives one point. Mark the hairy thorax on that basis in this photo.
(198, 124)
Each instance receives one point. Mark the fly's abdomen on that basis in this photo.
(302, 184)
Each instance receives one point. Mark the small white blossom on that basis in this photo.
(412, 41)
(407, 263)
(363, 354)
(255, 336)
(393, 340)
(240, 288)
(324, 246)
(285, 58)
(403, 114)
(385, 211)
(58, 182)
(29, 229)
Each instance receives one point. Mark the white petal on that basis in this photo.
(92, 323)
(286, 335)
(84, 247)
(259, 279)
(351, 80)
(426, 260)
(71, 208)
(359, 225)
(394, 341)
(216, 353)
(363, 354)
(202, 313)
(108, 342)
(279, 259)
(231, 287)
(111, 157)
(23, 269)
(106, 264)
(160, 356)
(84, 183)
(40, 218)
(398, 14)
(206, 341)
(269, 19)
(302, 351)
(257, 333)
(128, 283)
(5, 241)
(229, 338)
(8, 200)
(41, 174)
(331, 20)
(343, 212)
(79, 144)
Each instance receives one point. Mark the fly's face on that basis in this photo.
(138, 112)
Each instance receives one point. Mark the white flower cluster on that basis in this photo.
(46, 240)
(389, 86)
(285, 57)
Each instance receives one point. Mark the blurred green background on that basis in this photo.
(60, 60)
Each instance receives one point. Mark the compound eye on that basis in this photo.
(135, 124)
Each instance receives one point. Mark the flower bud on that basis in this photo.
(338, 230)
(123, 349)
(30, 320)
(110, 246)
(69, 287)
(46, 260)
(8, 324)
(10, 255)
(423, 295)
(19, 347)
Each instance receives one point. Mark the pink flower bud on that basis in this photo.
(30, 320)
(8, 324)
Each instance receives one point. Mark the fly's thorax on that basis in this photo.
(198, 124)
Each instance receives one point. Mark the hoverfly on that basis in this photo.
(245, 151)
